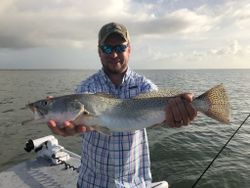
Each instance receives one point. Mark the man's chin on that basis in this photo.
(116, 70)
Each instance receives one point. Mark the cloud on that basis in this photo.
(234, 49)
(179, 22)
(35, 23)
(233, 19)
(242, 16)
(182, 30)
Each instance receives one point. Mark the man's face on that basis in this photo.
(115, 62)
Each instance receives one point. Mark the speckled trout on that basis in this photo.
(108, 114)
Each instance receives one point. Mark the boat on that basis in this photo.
(53, 167)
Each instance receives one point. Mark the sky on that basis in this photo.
(165, 34)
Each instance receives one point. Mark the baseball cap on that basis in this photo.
(111, 28)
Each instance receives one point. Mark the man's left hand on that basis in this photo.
(180, 111)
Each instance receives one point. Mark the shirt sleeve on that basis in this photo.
(148, 86)
(85, 87)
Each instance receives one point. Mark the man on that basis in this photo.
(120, 160)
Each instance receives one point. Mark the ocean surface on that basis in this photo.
(178, 155)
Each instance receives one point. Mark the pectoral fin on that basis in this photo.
(81, 114)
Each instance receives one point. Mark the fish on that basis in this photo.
(106, 114)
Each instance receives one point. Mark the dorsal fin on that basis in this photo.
(106, 95)
(161, 92)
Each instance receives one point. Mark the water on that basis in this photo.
(178, 155)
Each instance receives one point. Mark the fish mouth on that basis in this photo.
(37, 115)
(31, 107)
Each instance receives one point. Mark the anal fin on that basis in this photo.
(103, 130)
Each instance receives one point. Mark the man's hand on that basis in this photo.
(67, 129)
(180, 111)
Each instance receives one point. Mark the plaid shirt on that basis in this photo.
(120, 160)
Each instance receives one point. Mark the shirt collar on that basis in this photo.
(126, 76)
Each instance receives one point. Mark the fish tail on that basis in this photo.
(214, 103)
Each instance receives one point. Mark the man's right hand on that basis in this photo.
(67, 129)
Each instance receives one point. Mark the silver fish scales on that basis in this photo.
(106, 114)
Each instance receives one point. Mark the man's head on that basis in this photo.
(114, 48)
(112, 28)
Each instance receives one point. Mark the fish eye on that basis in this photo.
(44, 103)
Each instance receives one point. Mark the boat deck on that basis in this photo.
(54, 167)
(38, 173)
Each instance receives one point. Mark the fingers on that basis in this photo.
(187, 97)
(83, 128)
(170, 121)
(67, 128)
(180, 111)
(52, 125)
(192, 112)
(49, 97)
(176, 114)
(181, 117)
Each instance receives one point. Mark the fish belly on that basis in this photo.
(126, 123)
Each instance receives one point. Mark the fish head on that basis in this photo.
(41, 108)
(58, 108)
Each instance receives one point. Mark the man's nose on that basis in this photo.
(114, 54)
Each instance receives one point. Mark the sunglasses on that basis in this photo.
(108, 49)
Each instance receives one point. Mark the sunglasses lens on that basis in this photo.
(120, 48)
(107, 49)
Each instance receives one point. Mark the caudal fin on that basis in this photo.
(214, 103)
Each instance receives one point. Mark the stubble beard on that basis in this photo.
(114, 70)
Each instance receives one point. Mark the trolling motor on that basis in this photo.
(47, 147)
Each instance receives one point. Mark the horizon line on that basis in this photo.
(80, 69)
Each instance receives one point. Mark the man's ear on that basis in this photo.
(99, 52)
(129, 48)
